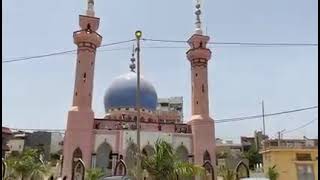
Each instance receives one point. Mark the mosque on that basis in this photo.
(109, 142)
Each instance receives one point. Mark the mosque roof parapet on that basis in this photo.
(115, 124)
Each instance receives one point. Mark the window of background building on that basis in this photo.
(303, 157)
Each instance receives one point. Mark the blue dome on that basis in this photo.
(122, 93)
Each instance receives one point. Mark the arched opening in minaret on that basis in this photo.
(84, 77)
(88, 28)
(77, 153)
(182, 153)
(78, 168)
(206, 157)
(104, 158)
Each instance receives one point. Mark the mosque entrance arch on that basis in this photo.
(242, 171)
(206, 157)
(104, 158)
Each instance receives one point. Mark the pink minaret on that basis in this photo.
(79, 132)
(201, 123)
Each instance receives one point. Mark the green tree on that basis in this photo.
(164, 164)
(226, 173)
(272, 173)
(253, 156)
(94, 174)
(26, 165)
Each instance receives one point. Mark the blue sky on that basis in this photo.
(38, 93)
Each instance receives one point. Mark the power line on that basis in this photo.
(217, 121)
(300, 127)
(265, 115)
(242, 44)
(58, 53)
(74, 52)
(238, 43)
(38, 56)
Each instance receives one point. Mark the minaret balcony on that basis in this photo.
(85, 36)
(198, 53)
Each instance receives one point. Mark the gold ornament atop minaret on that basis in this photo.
(198, 21)
(90, 9)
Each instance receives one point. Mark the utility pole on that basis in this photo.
(138, 35)
(279, 137)
(264, 125)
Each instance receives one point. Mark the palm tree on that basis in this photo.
(94, 174)
(226, 173)
(164, 164)
(26, 165)
(272, 173)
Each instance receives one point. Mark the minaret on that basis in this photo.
(201, 123)
(79, 132)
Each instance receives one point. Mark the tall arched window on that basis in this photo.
(130, 159)
(104, 158)
(182, 153)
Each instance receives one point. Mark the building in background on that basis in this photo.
(171, 105)
(6, 135)
(253, 142)
(47, 142)
(16, 143)
(295, 159)
(230, 156)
